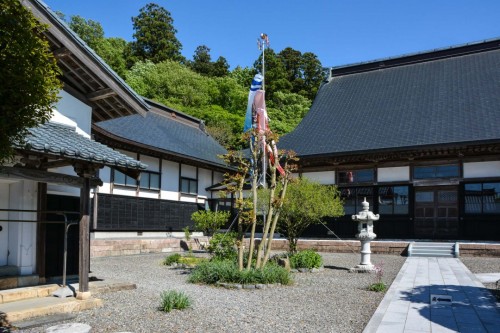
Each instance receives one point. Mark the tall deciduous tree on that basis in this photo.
(307, 203)
(154, 35)
(29, 82)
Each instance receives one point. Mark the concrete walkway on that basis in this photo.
(407, 308)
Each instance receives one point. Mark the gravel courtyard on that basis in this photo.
(332, 300)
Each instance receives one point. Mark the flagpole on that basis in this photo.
(265, 41)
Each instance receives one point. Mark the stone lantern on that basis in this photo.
(365, 220)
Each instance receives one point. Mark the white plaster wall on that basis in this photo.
(76, 110)
(105, 175)
(22, 235)
(152, 162)
(204, 181)
(169, 180)
(482, 169)
(148, 194)
(393, 174)
(4, 234)
(188, 171)
(124, 191)
(322, 177)
(188, 198)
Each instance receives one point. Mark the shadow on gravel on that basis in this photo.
(337, 268)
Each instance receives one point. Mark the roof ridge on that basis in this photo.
(417, 57)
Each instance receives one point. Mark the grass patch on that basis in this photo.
(174, 300)
(378, 287)
(176, 258)
(211, 272)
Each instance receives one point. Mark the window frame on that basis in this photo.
(481, 196)
(436, 167)
(341, 179)
(190, 182)
(148, 187)
(126, 184)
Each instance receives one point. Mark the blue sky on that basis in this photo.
(339, 32)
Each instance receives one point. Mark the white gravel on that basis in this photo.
(332, 300)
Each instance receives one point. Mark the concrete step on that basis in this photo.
(20, 294)
(432, 249)
(43, 306)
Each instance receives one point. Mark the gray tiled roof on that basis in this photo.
(162, 130)
(62, 140)
(439, 100)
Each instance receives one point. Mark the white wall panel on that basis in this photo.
(188, 171)
(76, 110)
(152, 162)
(393, 174)
(169, 177)
(482, 169)
(322, 177)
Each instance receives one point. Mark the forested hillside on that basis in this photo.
(152, 64)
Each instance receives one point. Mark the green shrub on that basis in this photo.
(209, 222)
(172, 259)
(306, 259)
(174, 300)
(214, 271)
(223, 245)
(191, 261)
(378, 287)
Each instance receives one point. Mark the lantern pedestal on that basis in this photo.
(365, 220)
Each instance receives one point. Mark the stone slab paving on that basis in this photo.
(407, 305)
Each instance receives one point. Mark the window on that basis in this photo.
(393, 200)
(354, 196)
(482, 198)
(189, 185)
(436, 171)
(120, 178)
(356, 176)
(150, 180)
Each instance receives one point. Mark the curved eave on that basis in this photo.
(119, 142)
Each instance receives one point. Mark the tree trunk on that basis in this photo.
(254, 216)
(275, 220)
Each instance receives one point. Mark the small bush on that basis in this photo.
(378, 287)
(191, 261)
(223, 246)
(174, 300)
(172, 259)
(214, 271)
(306, 259)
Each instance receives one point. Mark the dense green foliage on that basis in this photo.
(174, 300)
(209, 222)
(28, 76)
(171, 259)
(223, 245)
(153, 66)
(307, 202)
(227, 271)
(306, 259)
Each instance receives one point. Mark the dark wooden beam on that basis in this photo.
(100, 94)
(55, 164)
(45, 177)
(61, 52)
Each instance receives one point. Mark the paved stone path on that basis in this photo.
(407, 308)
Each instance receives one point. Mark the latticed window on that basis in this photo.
(354, 196)
(482, 198)
(393, 200)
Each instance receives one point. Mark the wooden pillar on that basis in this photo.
(41, 231)
(84, 251)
